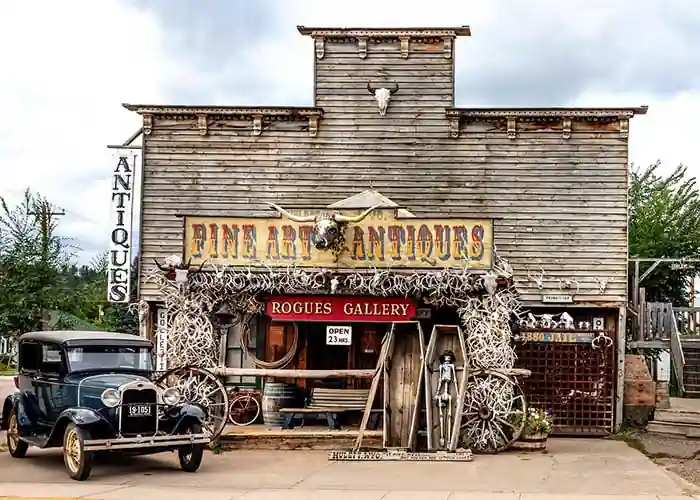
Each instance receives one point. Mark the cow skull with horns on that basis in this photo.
(327, 230)
(382, 95)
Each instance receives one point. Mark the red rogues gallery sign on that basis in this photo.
(341, 309)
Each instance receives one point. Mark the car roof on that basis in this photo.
(84, 338)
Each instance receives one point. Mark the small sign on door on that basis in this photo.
(338, 335)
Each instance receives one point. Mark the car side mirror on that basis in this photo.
(15, 379)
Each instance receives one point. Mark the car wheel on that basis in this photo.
(191, 455)
(16, 447)
(78, 461)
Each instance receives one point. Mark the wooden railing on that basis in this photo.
(688, 321)
(656, 320)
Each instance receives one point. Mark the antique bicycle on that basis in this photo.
(244, 407)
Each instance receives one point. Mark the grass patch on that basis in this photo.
(632, 440)
(6, 370)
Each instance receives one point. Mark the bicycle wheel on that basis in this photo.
(244, 410)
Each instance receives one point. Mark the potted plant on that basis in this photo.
(538, 425)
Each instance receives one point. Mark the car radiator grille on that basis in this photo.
(140, 423)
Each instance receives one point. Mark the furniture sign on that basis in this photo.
(338, 335)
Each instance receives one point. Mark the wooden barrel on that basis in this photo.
(277, 395)
(532, 442)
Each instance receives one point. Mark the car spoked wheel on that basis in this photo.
(78, 461)
(16, 447)
(191, 455)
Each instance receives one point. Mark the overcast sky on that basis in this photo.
(67, 66)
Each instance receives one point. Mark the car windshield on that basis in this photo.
(107, 358)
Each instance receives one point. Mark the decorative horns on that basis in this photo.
(295, 218)
(336, 216)
(357, 218)
(372, 90)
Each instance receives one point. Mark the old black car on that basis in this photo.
(93, 391)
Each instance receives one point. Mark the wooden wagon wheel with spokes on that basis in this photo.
(200, 386)
(493, 415)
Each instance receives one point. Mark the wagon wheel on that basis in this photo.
(201, 387)
(492, 416)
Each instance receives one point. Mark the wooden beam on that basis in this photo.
(386, 349)
(648, 271)
(290, 373)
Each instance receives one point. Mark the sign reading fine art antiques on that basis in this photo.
(380, 239)
(340, 309)
(119, 265)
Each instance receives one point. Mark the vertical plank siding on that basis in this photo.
(554, 180)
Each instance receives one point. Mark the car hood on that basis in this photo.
(105, 380)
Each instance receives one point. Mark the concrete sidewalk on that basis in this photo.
(86, 491)
(572, 469)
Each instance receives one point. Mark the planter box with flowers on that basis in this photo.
(538, 425)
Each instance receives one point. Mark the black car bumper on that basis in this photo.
(138, 442)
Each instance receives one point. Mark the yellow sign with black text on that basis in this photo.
(379, 240)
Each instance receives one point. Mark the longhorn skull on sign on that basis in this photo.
(382, 95)
(327, 231)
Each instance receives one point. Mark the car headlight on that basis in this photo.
(110, 398)
(172, 396)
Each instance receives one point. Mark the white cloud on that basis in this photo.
(67, 67)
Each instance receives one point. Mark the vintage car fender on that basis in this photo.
(11, 401)
(82, 417)
(186, 413)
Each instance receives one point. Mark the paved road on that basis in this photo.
(574, 468)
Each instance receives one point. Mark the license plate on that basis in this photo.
(139, 411)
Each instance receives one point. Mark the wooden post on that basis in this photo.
(620, 361)
(642, 320)
(635, 286)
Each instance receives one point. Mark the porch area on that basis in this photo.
(308, 437)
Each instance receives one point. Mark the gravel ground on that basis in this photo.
(676, 454)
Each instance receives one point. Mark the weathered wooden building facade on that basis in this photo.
(553, 182)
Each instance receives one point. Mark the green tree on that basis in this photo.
(32, 258)
(664, 222)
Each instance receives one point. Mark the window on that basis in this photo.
(50, 359)
(237, 357)
(29, 356)
(91, 358)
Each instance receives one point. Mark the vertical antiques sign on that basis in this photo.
(124, 167)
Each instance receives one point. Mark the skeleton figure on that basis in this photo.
(443, 396)
(327, 226)
(382, 96)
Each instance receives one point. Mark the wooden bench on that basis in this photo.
(331, 403)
